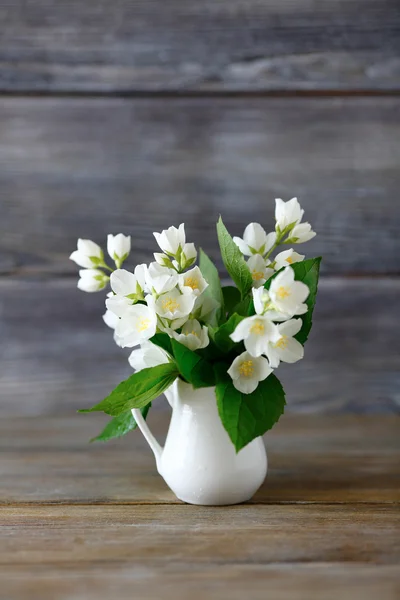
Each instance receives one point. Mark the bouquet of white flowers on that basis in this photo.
(184, 323)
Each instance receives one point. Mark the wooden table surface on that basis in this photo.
(89, 521)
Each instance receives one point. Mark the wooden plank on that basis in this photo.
(198, 535)
(312, 459)
(85, 167)
(170, 581)
(226, 45)
(57, 355)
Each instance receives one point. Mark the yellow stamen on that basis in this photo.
(257, 275)
(289, 260)
(283, 292)
(143, 324)
(246, 368)
(169, 304)
(192, 282)
(258, 328)
(282, 342)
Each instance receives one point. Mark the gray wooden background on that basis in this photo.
(134, 115)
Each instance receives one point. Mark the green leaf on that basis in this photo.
(233, 260)
(222, 336)
(306, 271)
(195, 369)
(210, 274)
(162, 340)
(243, 307)
(119, 426)
(231, 298)
(138, 390)
(247, 416)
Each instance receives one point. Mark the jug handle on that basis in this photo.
(149, 437)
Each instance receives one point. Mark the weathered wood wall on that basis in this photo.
(134, 115)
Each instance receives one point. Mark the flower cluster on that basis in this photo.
(268, 343)
(169, 296)
(165, 296)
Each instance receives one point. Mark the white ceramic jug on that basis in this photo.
(199, 462)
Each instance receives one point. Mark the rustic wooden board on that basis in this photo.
(312, 459)
(88, 522)
(227, 45)
(165, 579)
(200, 535)
(87, 167)
(57, 355)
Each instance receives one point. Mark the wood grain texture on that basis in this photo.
(82, 521)
(312, 459)
(198, 535)
(226, 45)
(87, 167)
(57, 355)
(171, 581)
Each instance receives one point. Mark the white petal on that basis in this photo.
(245, 385)
(243, 247)
(123, 282)
(263, 369)
(110, 319)
(301, 309)
(190, 252)
(290, 328)
(242, 330)
(255, 236)
(118, 305)
(81, 259)
(256, 344)
(89, 248)
(273, 356)
(293, 352)
(136, 360)
(270, 240)
(140, 274)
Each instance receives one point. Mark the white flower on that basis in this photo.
(256, 332)
(92, 280)
(162, 259)
(174, 306)
(170, 240)
(261, 300)
(88, 254)
(124, 283)
(287, 213)
(247, 371)
(118, 305)
(192, 282)
(287, 257)
(161, 279)
(138, 323)
(118, 247)
(301, 233)
(110, 319)
(287, 295)
(286, 348)
(193, 335)
(259, 269)
(255, 240)
(148, 355)
(204, 306)
(141, 276)
(127, 291)
(189, 255)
